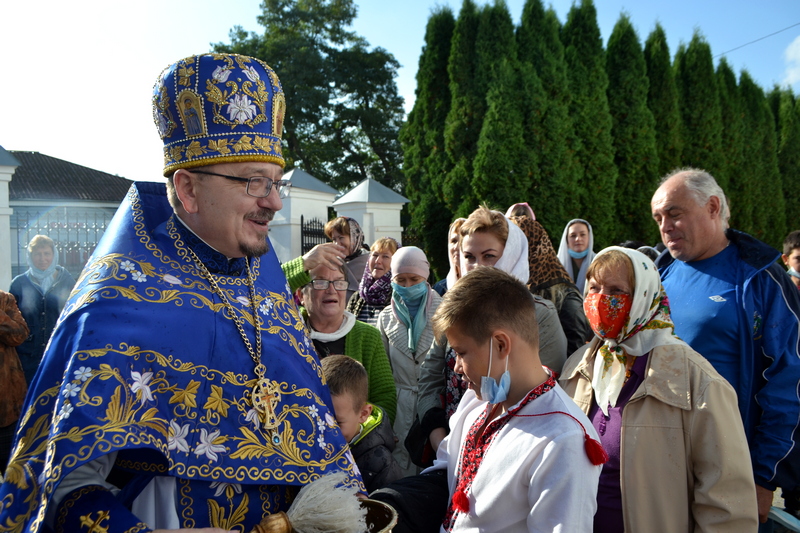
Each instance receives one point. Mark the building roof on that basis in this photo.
(41, 177)
(6, 159)
(303, 180)
(373, 192)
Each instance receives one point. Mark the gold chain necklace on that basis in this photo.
(265, 395)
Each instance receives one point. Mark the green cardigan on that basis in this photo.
(364, 344)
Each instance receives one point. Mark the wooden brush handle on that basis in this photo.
(274, 523)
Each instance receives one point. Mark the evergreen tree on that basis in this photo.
(789, 157)
(554, 195)
(662, 99)
(500, 143)
(699, 104)
(633, 131)
(583, 51)
(740, 188)
(761, 157)
(426, 163)
(502, 164)
(468, 106)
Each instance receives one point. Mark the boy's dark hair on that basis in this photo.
(345, 375)
(791, 242)
(485, 300)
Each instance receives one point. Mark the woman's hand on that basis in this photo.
(329, 254)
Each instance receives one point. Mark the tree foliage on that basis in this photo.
(662, 99)
(591, 119)
(789, 156)
(633, 132)
(554, 193)
(343, 109)
(740, 189)
(426, 163)
(699, 104)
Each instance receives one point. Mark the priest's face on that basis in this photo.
(227, 218)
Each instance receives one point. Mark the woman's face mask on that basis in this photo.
(607, 313)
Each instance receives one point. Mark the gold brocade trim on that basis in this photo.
(92, 523)
(138, 466)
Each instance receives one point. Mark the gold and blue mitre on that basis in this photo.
(218, 108)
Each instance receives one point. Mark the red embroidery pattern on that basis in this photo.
(474, 449)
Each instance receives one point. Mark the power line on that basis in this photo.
(759, 39)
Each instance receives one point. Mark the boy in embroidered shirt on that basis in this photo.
(364, 425)
(518, 453)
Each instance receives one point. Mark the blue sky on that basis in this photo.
(79, 74)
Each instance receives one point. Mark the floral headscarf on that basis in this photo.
(356, 239)
(648, 325)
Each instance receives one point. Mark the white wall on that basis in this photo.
(5, 228)
(377, 220)
(284, 230)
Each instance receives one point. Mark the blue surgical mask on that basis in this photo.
(793, 272)
(577, 255)
(410, 294)
(490, 390)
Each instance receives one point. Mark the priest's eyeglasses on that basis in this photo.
(323, 284)
(257, 186)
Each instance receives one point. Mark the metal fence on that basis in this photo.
(311, 233)
(75, 231)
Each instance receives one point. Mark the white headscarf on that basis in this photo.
(514, 260)
(452, 276)
(563, 254)
(648, 325)
(515, 255)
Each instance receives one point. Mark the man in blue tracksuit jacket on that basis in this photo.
(735, 305)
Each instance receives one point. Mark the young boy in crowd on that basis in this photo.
(791, 256)
(365, 426)
(518, 453)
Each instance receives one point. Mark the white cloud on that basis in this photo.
(792, 55)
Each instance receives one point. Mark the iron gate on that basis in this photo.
(75, 231)
(311, 233)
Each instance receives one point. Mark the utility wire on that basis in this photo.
(759, 39)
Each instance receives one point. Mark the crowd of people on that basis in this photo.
(189, 381)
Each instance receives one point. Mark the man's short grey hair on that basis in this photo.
(703, 186)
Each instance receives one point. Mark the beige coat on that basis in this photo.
(685, 464)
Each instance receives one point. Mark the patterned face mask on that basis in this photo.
(607, 313)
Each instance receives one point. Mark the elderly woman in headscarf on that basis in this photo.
(576, 250)
(41, 292)
(375, 290)
(487, 238)
(550, 280)
(669, 422)
(346, 232)
(407, 334)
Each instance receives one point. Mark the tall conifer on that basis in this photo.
(699, 104)
(633, 131)
(740, 186)
(426, 164)
(761, 158)
(662, 99)
(548, 129)
(496, 74)
(583, 51)
(789, 157)
(468, 106)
